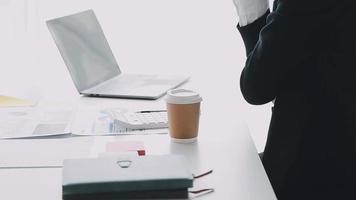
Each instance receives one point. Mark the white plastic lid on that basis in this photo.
(182, 96)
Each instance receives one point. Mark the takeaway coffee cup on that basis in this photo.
(183, 108)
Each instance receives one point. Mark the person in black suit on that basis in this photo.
(302, 55)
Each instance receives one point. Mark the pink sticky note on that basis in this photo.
(125, 146)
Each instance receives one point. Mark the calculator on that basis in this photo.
(141, 119)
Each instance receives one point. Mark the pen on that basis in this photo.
(151, 111)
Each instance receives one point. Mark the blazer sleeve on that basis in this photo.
(276, 45)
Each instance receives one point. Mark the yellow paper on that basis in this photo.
(7, 101)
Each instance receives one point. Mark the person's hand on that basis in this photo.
(250, 10)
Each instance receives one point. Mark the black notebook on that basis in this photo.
(164, 176)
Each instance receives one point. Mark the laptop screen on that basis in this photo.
(84, 48)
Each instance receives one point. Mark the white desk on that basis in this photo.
(197, 38)
(224, 145)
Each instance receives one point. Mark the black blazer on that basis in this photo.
(303, 54)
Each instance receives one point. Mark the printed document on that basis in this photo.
(29, 122)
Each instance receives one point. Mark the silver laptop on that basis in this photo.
(92, 65)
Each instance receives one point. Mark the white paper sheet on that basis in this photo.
(29, 122)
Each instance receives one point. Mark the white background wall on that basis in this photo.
(194, 37)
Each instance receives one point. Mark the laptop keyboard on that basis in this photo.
(121, 83)
(135, 85)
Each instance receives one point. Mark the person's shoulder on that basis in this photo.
(310, 5)
(310, 11)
